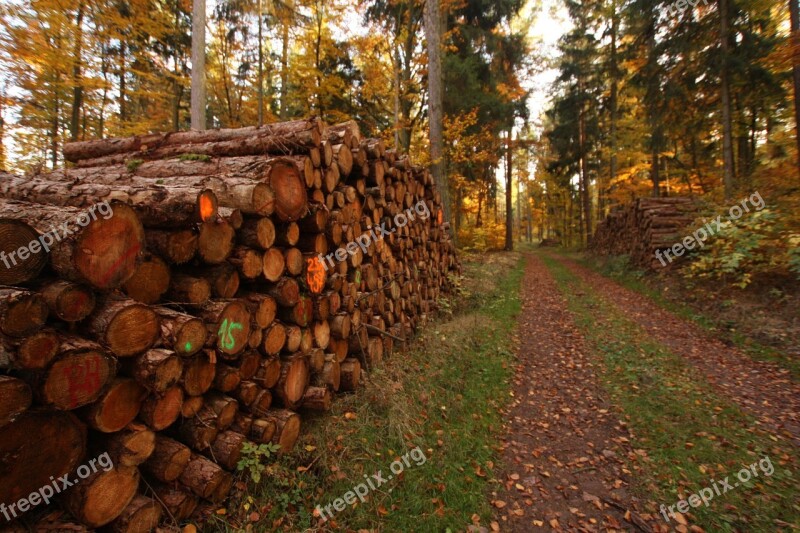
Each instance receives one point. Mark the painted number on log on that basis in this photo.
(315, 275)
(225, 333)
(83, 379)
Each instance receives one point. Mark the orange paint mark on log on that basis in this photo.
(315, 275)
(207, 208)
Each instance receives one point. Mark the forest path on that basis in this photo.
(760, 388)
(566, 447)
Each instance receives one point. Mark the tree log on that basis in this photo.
(206, 479)
(15, 398)
(102, 253)
(101, 497)
(160, 411)
(130, 447)
(68, 301)
(142, 515)
(150, 280)
(21, 312)
(117, 407)
(37, 445)
(168, 460)
(125, 326)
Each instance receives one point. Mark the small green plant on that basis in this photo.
(253, 457)
(195, 157)
(134, 164)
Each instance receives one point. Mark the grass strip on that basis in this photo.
(619, 269)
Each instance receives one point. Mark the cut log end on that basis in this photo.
(107, 250)
(291, 198)
(16, 235)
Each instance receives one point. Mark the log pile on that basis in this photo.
(642, 227)
(167, 298)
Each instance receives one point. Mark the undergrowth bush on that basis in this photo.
(490, 236)
(758, 243)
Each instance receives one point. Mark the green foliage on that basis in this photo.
(195, 157)
(134, 164)
(743, 248)
(253, 458)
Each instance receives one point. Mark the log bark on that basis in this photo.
(179, 504)
(317, 399)
(206, 479)
(156, 204)
(226, 449)
(281, 138)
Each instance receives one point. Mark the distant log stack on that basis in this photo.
(644, 226)
(170, 297)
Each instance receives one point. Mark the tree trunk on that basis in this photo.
(725, 101)
(509, 209)
(433, 34)
(794, 15)
(198, 65)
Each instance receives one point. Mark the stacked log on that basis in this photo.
(641, 228)
(167, 298)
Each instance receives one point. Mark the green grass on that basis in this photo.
(444, 395)
(690, 435)
(620, 270)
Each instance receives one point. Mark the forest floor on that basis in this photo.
(621, 406)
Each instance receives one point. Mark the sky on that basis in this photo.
(550, 22)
